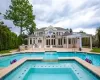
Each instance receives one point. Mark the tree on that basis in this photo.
(1, 22)
(98, 36)
(82, 32)
(31, 29)
(8, 39)
(21, 13)
(70, 30)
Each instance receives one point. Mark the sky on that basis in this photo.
(76, 14)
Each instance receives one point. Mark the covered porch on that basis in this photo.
(76, 40)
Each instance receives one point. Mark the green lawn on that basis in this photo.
(96, 50)
(6, 51)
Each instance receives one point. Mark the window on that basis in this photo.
(54, 41)
(61, 41)
(39, 41)
(64, 40)
(47, 36)
(69, 41)
(30, 41)
(53, 36)
(47, 42)
(58, 41)
(34, 41)
(59, 33)
(40, 33)
(37, 33)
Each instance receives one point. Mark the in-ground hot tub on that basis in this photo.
(61, 70)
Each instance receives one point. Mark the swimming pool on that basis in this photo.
(5, 60)
(61, 70)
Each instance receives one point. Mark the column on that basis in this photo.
(80, 42)
(43, 42)
(91, 42)
(56, 42)
(50, 40)
(71, 43)
(67, 42)
(36, 41)
(28, 41)
(76, 42)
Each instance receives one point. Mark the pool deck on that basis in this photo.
(57, 49)
(85, 50)
(8, 69)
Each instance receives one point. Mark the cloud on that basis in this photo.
(87, 30)
(76, 14)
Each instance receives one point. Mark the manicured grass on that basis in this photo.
(96, 50)
(85, 46)
(6, 51)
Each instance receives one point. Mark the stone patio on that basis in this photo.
(57, 49)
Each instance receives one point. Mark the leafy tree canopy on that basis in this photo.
(82, 32)
(21, 13)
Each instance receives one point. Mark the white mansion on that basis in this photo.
(56, 37)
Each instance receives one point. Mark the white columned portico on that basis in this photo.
(80, 42)
(91, 42)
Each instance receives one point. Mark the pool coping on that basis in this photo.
(1, 55)
(5, 71)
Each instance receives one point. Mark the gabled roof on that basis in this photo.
(42, 29)
(79, 35)
(67, 33)
(60, 28)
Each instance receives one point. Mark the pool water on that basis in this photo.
(50, 56)
(5, 61)
(61, 70)
(50, 74)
